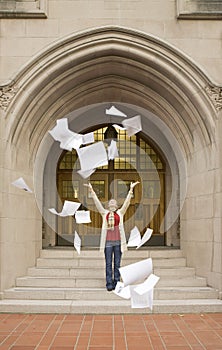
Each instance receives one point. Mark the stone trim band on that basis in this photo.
(8, 92)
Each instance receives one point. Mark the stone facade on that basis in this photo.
(143, 55)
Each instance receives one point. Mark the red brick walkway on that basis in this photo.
(111, 332)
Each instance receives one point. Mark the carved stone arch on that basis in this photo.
(111, 64)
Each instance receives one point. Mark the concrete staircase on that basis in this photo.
(65, 282)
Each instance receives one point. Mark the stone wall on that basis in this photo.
(21, 39)
(20, 235)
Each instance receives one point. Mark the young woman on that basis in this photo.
(113, 239)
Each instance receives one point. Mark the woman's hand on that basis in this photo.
(89, 187)
(133, 184)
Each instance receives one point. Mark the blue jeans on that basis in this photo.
(110, 251)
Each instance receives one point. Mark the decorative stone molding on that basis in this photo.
(215, 93)
(199, 9)
(6, 95)
(159, 62)
(23, 9)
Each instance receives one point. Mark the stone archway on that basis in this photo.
(112, 64)
(104, 65)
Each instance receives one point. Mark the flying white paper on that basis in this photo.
(147, 235)
(147, 285)
(92, 156)
(67, 138)
(113, 150)
(77, 242)
(88, 138)
(132, 125)
(136, 272)
(82, 216)
(69, 209)
(142, 294)
(116, 126)
(141, 301)
(75, 142)
(121, 291)
(86, 173)
(134, 238)
(20, 183)
(115, 112)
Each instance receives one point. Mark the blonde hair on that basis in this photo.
(113, 203)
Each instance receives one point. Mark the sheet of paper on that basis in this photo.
(82, 216)
(113, 150)
(136, 272)
(115, 112)
(141, 301)
(134, 238)
(150, 298)
(147, 235)
(86, 173)
(92, 156)
(147, 285)
(88, 138)
(60, 131)
(20, 183)
(67, 138)
(132, 125)
(118, 127)
(69, 209)
(74, 142)
(121, 291)
(77, 242)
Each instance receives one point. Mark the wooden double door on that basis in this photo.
(146, 208)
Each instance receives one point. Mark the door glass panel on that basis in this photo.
(99, 188)
(153, 160)
(69, 161)
(127, 151)
(122, 188)
(70, 189)
(151, 189)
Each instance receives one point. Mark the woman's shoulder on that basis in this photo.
(105, 212)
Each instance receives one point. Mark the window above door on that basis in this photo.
(134, 153)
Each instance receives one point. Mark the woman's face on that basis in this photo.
(112, 205)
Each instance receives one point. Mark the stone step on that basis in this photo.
(179, 272)
(67, 272)
(100, 262)
(108, 307)
(179, 293)
(160, 293)
(182, 282)
(65, 282)
(79, 282)
(131, 253)
(100, 272)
